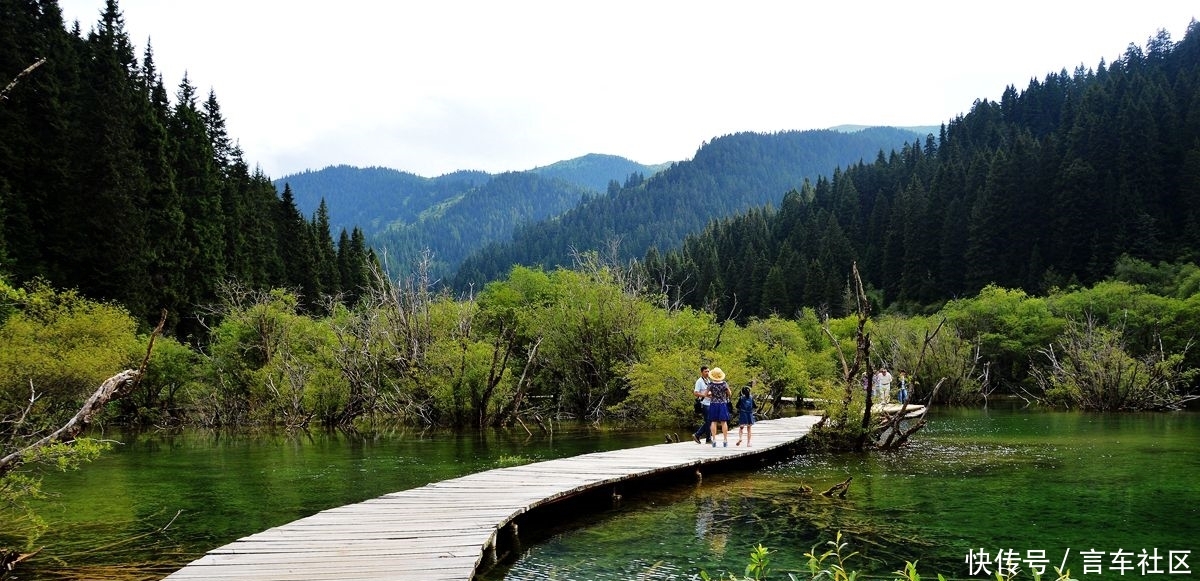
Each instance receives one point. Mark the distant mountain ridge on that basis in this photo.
(401, 214)
(918, 129)
(374, 198)
(486, 213)
(464, 213)
(730, 174)
(595, 171)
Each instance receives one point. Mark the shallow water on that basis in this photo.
(975, 481)
(159, 500)
(991, 479)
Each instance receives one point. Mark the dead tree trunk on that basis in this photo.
(890, 435)
(113, 388)
(862, 355)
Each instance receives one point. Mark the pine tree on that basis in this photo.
(297, 249)
(165, 245)
(199, 183)
(328, 273)
(354, 265)
(100, 244)
(36, 132)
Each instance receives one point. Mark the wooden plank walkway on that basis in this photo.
(445, 530)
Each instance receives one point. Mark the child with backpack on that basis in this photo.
(745, 409)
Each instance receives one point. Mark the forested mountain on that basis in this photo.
(374, 198)
(463, 224)
(1043, 189)
(595, 171)
(729, 175)
(918, 129)
(402, 214)
(109, 187)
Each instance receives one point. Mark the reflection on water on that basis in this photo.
(994, 479)
(1020, 480)
(159, 500)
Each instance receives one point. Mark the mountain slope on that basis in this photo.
(464, 223)
(594, 171)
(402, 214)
(728, 175)
(373, 198)
(1044, 189)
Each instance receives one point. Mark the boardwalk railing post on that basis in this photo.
(515, 538)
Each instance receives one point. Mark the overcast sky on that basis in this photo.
(434, 86)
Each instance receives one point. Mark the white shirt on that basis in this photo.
(885, 380)
(701, 389)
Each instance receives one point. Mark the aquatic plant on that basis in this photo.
(832, 565)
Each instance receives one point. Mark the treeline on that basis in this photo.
(540, 347)
(731, 174)
(375, 198)
(1044, 189)
(110, 188)
(584, 343)
(595, 171)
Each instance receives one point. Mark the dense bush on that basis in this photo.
(56, 348)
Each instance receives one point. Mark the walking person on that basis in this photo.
(700, 392)
(745, 409)
(719, 396)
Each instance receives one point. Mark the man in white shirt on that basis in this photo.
(700, 392)
(883, 382)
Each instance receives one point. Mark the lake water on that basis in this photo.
(1092, 486)
(210, 488)
(1104, 488)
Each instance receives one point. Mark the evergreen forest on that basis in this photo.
(1045, 189)
(409, 219)
(730, 174)
(1043, 246)
(111, 187)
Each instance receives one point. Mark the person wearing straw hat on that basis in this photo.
(719, 396)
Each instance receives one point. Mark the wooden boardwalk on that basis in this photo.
(446, 530)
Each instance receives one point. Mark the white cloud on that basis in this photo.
(431, 87)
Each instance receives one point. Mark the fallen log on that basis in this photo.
(113, 388)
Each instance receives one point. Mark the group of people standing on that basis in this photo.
(883, 386)
(714, 399)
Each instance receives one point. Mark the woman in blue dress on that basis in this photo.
(718, 407)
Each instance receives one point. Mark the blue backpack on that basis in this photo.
(745, 404)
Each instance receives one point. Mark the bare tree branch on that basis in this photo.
(21, 75)
(113, 388)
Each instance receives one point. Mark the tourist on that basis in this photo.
(700, 392)
(902, 396)
(719, 396)
(883, 385)
(745, 409)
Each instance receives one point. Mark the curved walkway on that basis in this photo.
(445, 530)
